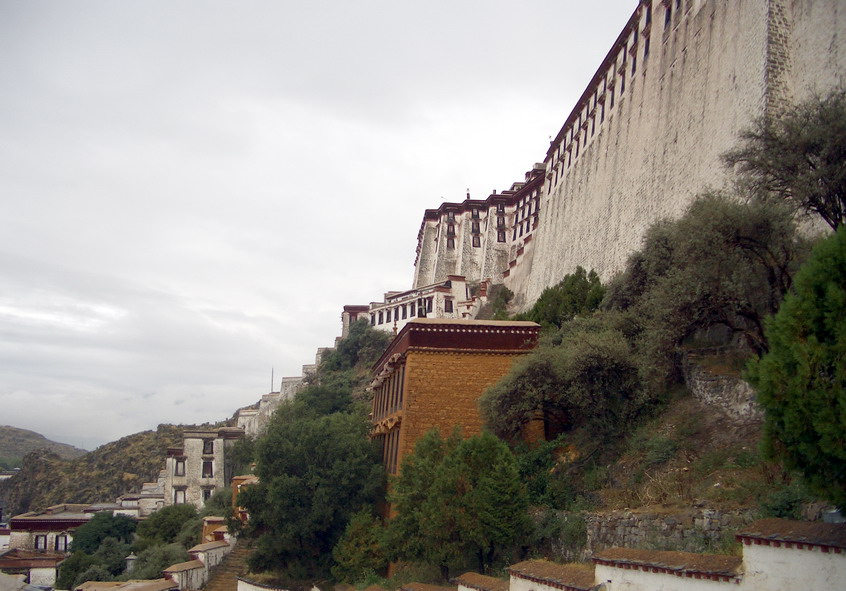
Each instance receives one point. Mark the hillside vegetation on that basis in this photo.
(101, 475)
(16, 443)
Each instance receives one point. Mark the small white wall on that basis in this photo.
(637, 580)
(213, 557)
(521, 584)
(42, 576)
(768, 568)
(190, 579)
(247, 586)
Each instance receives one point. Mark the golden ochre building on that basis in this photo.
(433, 374)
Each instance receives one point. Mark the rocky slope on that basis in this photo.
(15, 443)
(101, 475)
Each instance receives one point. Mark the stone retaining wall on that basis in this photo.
(731, 395)
(693, 530)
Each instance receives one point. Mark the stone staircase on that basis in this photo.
(223, 576)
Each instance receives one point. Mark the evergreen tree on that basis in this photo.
(458, 501)
(801, 381)
(315, 474)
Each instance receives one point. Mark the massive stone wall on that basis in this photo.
(668, 100)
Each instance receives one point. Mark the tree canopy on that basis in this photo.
(314, 475)
(578, 293)
(457, 500)
(590, 379)
(800, 155)
(801, 381)
(88, 537)
(163, 526)
(724, 263)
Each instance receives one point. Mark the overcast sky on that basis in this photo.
(192, 190)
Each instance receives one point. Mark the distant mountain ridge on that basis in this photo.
(15, 443)
(110, 470)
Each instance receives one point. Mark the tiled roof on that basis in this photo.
(183, 566)
(135, 585)
(481, 582)
(19, 558)
(425, 587)
(795, 533)
(678, 563)
(577, 577)
(209, 546)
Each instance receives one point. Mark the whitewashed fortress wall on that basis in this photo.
(683, 78)
(477, 238)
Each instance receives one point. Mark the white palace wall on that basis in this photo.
(648, 132)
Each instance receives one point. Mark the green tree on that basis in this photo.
(361, 550)
(96, 572)
(111, 555)
(314, 475)
(153, 560)
(591, 378)
(458, 500)
(164, 525)
(799, 155)
(578, 293)
(76, 564)
(801, 381)
(724, 263)
(89, 536)
(409, 530)
(362, 347)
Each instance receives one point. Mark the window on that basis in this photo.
(208, 446)
(41, 542)
(451, 216)
(500, 208)
(372, 319)
(61, 543)
(179, 468)
(475, 227)
(645, 48)
(404, 311)
(477, 240)
(381, 317)
(475, 213)
(500, 221)
(429, 305)
(207, 494)
(451, 230)
(622, 82)
(450, 242)
(448, 306)
(179, 496)
(500, 236)
(208, 469)
(668, 17)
